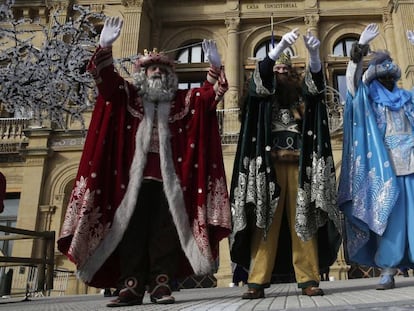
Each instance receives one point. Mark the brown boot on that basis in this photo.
(312, 291)
(253, 293)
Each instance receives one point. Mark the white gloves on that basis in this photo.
(287, 40)
(110, 32)
(410, 36)
(210, 51)
(313, 44)
(369, 33)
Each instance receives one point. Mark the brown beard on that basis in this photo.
(288, 89)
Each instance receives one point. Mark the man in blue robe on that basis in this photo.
(376, 187)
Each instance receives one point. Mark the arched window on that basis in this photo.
(192, 53)
(192, 65)
(343, 46)
(264, 48)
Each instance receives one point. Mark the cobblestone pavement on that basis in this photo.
(358, 294)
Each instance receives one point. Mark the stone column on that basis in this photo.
(36, 155)
(311, 21)
(231, 123)
(389, 31)
(311, 18)
(232, 68)
(131, 28)
(232, 64)
(403, 20)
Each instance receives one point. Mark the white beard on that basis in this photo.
(157, 88)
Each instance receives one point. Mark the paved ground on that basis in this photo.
(356, 294)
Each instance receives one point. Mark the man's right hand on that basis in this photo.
(287, 40)
(110, 32)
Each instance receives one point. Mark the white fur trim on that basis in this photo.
(175, 198)
(127, 206)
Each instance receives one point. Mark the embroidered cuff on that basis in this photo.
(222, 83)
(213, 74)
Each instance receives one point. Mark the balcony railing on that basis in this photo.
(41, 278)
(229, 125)
(12, 135)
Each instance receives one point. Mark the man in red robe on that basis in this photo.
(150, 200)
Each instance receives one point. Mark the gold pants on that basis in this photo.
(304, 254)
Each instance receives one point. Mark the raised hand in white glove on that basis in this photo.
(287, 40)
(210, 51)
(313, 44)
(110, 32)
(410, 36)
(369, 33)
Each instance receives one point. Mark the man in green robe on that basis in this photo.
(284, 170)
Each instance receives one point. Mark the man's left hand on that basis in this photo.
(210, 51)
(312, 43)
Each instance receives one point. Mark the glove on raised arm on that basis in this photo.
(361, 48)
(210, 51)
(369, 34)
(110, 32)
(410, 36)
(287, 40)
(313, 44)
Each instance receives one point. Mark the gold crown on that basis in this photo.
(153, 57)
(284, 59)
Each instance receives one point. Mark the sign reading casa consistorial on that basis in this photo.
(270, 6)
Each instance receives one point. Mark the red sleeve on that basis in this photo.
(209, 95)
(107, 79)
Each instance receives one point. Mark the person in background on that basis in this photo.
(150, 200)
(3, 186)
(284, 171)
(376, 186)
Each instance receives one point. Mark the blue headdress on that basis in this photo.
(381, 65)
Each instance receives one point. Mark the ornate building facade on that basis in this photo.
(40, 163)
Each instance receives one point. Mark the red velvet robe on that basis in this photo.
(111, 171)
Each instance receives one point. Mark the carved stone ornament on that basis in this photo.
(311, 20)
(133, 3)
(232, 22)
